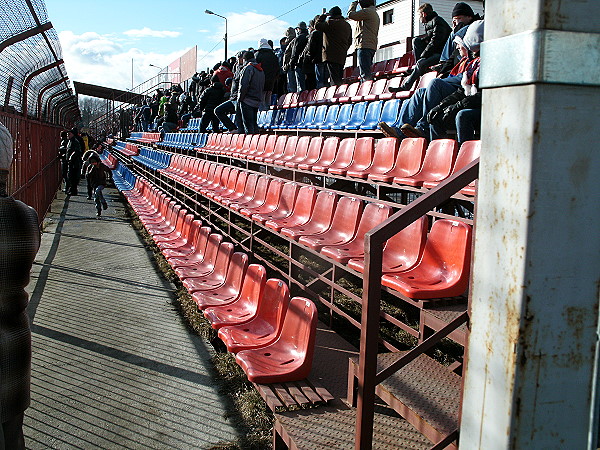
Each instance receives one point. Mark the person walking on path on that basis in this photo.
(365, 35)
(97, 176)
(19, 243)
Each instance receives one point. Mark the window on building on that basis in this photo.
(388, 16)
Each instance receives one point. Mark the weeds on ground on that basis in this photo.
(247, 410)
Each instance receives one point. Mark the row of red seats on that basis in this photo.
(109, 160)
(352, 93)
(408, 162)
(416, 266)
(272, 335)
(384, 68)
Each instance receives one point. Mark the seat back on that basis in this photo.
(358, 116)
(262, 187)
(320, 94)
(343, 117)
(347, 214)
(372, 115)
(373, 215)
(330, 118)
(223, 259)
(345, 154)
(351, 91)
(236, 271)
(273, 304)
(301, 149)
(319, 117)
(314, 150)
(469, 151)
(211, 250)
(438, 160)
(385, 155)
(448, 249)
(324, 208)
(364, 88)
(254, 284)
(410, 156)
(290, 148)
(309, 115)
(299, 331)
(329, 151)
(390, 110)
(250, 187)
(340, 91)
(288, 196)
(363, 154)
(305, 202)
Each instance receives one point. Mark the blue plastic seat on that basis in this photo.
(298, 117)
(332, 114)
(389, 113)
(357, 117)
(319, 118)
(372, 115)
(289, 116)
(343, 117)
(309, 115)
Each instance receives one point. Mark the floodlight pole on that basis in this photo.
(225, 39)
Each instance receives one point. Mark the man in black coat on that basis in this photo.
(209, 100)
(427, 48)
(298, 45)
(270, 65)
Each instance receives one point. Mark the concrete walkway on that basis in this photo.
(113, 364)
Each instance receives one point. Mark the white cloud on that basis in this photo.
(248, 26)
(203, 31)
(102, 60)
(147, 32)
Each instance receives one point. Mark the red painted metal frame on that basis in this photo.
(374, 240)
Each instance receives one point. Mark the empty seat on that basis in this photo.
(373, 215)
(320, 218)
(350, 92)
(330, 118)
(246, 194)
(437, 164)
(372, 116)
(309, 115)
(244, 307)
(301, 151)
(302, 210)
(290, 357)
(343, 117)
(216, 277)
(270, 202)
(469, 151)
(284, 205)
(443, 270)
(390, 111)
(357, 117)
(402, 251)
(258, 197)
(266, 324)
(343, 159)
(363, 155)
(229, 290)
(383, 159)
(407, 162)
(205, 265)
(326, 153)
(378, 88)
(319, 118)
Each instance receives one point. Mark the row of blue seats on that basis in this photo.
(123, 178)
(193, 125)
(184, 141)
(155, 159)
(349, 116)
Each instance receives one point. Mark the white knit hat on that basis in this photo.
(6, 148)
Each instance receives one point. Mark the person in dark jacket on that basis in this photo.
(62, 154)
(74, 161)
(19, 242)
(298, 45)
(223, 72)
(313, 55)
(308, 66)
(170, 118)
(230, 105)
(337, 38)
(209, 100)
(97, 175)
(250, 93)
(427, 48)
(267, 59)
(290, 74)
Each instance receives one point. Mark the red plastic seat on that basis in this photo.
(311, 156)
(175, 259)
(258, 197)
(310, 96)
(264, 327)
(469, 151)
(437, 163)
(320, 219)
(407, 163)
(270, 203)
(290, 357)
(229, 290)
(327, 154)
(244, 307)
(299, 153)
(339, 92)
(422, 83)
(373, 215)
(191, 246)
(238, 190)
(343, 226)
(319, 96)
(201, 264)
(264, 146)
(284, 206)
(363, 90)
(383, 159)
(343, 159)
(378, 88)
(329, 94)
(228, 186)
(179, 236)
(277, 151)
(302, 98)
(443, 270)
(288, 152)
(302, 210)
(246, 195)
(350, 92)
(216, 277)
(363, 156)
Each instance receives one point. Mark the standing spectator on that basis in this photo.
(267, 59)
(209, 100)
(337, 37)
(169, 124)
(97, 175)
(308, 65)
(281, 84)
(298, 45)
(427, 48)
(230, 106)
(223, 72)
(145, 115)
(74, 154)
(62, 153)
(250, 94)
(290, 35)
(19, 242)
(87, 160)
(365, 37)
(313, 54)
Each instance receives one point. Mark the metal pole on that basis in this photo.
(225, 38)
(532, 362)
(132, 74)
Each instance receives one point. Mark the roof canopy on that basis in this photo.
(108, 93)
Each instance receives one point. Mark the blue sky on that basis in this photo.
(100, 38)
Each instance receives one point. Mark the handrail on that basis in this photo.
(374, 240)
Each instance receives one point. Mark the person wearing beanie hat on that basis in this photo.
(266, 57)
(365, 35)
(19, 243)
(462, 9)
(302, 26)
(298, 45)
(337, 38)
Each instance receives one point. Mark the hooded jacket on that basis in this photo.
(337, 38)
(252, 83)
(367, 26)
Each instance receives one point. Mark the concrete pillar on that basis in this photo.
(532, 360)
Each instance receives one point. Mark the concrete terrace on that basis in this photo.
(114, 366)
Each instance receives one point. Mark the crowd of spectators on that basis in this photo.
(312, 56)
